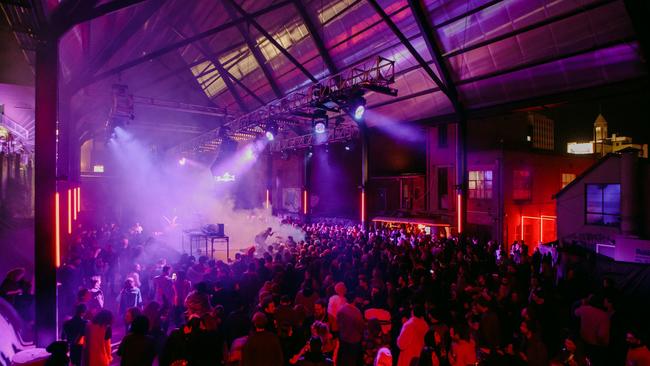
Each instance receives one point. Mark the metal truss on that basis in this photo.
(344, 133)
(301, 105)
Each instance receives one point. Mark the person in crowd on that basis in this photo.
(73, 332)
(262, 347)
(594, 328)
(96, 302)
(534, 351)
(374, 338)
(411, 337)
(164, 288)
(335, 303)
(312, 355)
(130, 296)
(97, 340)
(136, 348)
(351, 326)
(638, 353)
(58, 354)
(182, 288)
(11, 286)
(130, 315)
(463, 348)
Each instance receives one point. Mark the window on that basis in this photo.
(480, 184)
(522, 184)
(567, 178)
(442, 135)
(603, 204)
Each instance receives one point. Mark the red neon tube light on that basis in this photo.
(459, 199)
(74, 203)
(304, 202)
(541, 224)
(69, 211)
(267, 198)
(78, 199)
(57, 232)
(363, 207)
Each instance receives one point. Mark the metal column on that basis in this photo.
(47, 70)
(363, 132)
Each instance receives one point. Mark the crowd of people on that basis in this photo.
(342, 296)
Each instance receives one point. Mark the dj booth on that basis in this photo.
(202, 237)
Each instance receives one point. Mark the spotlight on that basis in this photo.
(319, 127)
(347, 147)
(182, 161)
(271, 131)
(250, 154)
(359, 111)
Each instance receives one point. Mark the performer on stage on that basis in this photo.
(260, 240)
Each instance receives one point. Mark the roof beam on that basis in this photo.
(316, 36)
(419, 10)
(257, 54)
(270, 38)
(115, 43)
(106, 8)
(176, 45)
(398, 33)
(554, 19)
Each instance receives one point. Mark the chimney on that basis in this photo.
(630, 192)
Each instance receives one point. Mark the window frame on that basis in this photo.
(602, 213)
(486, 194)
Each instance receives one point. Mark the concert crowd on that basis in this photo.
(341, 296)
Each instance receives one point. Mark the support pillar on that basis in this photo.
(461, 172)
(306, 189)
(630, 193)
(363, 131)
(46, 101)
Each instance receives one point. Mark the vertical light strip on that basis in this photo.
(74, 203)
(69, 211)
(78, 199)
(304, 202)
(522, 227)
(57, 231)
(363, 206)
(267, 199)
(541, 230)
(459, 214)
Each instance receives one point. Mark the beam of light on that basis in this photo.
(304, 202)
(79, 199)
(69, 211)
(182, 161)
(268, 196)
(459, 214)
(269, 135)
(363, 206)
(74, 203)
(57, 231)
(249, 153)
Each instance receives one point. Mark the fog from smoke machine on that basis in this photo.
(168, 197)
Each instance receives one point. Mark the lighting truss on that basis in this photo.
(301, 105)
(343, 133)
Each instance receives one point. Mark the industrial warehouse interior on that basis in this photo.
(324, 182)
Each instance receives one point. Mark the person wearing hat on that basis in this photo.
(262, 348)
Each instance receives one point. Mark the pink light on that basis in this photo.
(79, 199)
(57, 232)
(74, 202)
(459, 204)
(363, 206)
(69, 211)
(267, 199)
(304, 202)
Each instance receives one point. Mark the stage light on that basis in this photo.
(182, 161)
(347, 147)
(319, 127)
(271, 131)
(57, 231)
(249, 154)
(359, 111)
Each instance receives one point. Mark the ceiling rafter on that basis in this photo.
(270, 38)
(252, 46)
(228, 79)
(398, 33)
(307, 18)
(421, 15)
(176, 45)
(114, 44)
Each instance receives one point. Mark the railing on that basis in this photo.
(15, 128)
